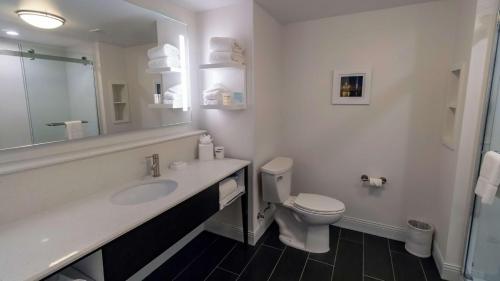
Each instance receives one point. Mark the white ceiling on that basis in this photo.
(204, 5)
(120, 22)
(287, 11)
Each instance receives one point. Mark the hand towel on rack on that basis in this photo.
(74, 129)
(164, 62)
(221, 57)
(225, 44)
(489, 177)
(165, 50)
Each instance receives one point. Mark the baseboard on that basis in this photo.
(447, 271)
(374, 228)
(236, 232)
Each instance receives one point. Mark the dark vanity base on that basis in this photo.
(127, 254)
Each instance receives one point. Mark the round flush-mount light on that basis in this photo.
(41, 19)
(11, 32)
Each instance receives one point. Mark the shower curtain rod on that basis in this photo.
(32, 55)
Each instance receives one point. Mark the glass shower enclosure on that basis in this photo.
(43, 87)
(483, 257)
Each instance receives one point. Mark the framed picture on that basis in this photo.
(351, 87)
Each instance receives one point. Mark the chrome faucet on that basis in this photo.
(155, 165)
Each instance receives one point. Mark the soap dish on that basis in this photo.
(177, 165)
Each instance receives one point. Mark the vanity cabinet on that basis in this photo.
(124, 256)
(130, 252)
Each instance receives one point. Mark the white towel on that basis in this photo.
(74, 129)
(222, 57)
(165, 50)
(164, 62)
(489, 177)
(225, 44)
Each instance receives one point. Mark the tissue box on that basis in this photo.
(206, 151)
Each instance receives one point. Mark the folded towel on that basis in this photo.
(168, 96)
(226, 187)
(222, 57)
(176, 89)
(212, 96)
(489, 177)
(165, 50)
(74, 129)
(164, 62)
(225, 44)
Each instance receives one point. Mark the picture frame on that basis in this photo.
(351, 87)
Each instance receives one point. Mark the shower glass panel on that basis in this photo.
(483, 259)
(59, 91)
(43, 87)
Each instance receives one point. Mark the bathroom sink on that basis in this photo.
(144, 192)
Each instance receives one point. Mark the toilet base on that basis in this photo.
(297, 234)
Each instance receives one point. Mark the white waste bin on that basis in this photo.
(419, 241)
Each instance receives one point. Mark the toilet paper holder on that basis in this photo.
(366, 178)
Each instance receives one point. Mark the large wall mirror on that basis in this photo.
(71, 69)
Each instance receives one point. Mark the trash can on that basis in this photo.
(419, 241)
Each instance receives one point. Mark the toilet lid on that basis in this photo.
(318, 203)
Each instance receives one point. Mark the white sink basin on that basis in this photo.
(144, 192)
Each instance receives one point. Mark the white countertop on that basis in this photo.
(39, 245)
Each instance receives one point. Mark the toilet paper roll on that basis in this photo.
(227, 187)
(376, 182)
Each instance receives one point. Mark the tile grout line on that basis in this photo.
(250, 260)
(392, 263)
(315, 260)
(373, 277)
(196, 258)
(363, 259)
(276, 264)
(272, 247)
(336, 252)
(304, 267)
(422, 267)
(228, 271)
(223, 258)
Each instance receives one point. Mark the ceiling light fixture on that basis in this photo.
(41, 19)
(11, 32)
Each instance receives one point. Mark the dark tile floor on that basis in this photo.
(353, 256)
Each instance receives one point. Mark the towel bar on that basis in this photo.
(61, 123)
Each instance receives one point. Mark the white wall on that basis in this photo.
(235, 130)
(465, 10)
(269, 98)
(397, 136)
(110, 68)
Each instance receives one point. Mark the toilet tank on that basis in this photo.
(277, 180)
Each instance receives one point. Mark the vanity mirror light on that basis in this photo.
(97, 73)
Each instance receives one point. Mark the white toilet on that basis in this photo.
(303, 220)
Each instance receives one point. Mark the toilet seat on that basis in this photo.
(317, 204)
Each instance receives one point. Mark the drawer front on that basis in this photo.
(130, 252)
